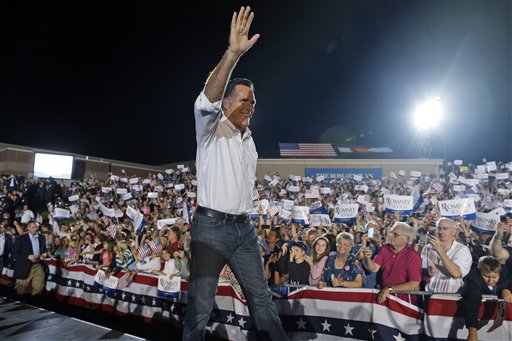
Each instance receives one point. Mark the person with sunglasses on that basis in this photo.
(400, 264)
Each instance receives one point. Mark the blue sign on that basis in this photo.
(344, 173)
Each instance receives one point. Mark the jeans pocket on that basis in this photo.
(204, 220)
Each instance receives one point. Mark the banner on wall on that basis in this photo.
(344, 173)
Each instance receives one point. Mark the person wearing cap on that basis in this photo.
(444, 260)
(298, 264)
(226, 166)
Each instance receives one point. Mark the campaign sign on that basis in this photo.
(287, 204)
(485, 222)
(74, 197)
(458, 208)
(508, 205)
(403, 204)
(108, 212)
(169, 287)
(60, 213)
(320, 220)
(300, 214)
(345, 213)
(106, 283)
(169, 222)
(294, 189)
(285, 215)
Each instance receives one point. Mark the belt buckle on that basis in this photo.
(225, 217)
(231, 217)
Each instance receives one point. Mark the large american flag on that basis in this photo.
(306, 150)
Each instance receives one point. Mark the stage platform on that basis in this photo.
(20, 321)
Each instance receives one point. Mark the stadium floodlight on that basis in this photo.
(428, 115)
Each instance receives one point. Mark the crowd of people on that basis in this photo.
(92, 221)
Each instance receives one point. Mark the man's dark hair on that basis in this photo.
(234, 82)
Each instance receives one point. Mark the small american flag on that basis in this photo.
(273, 210)
(124, 281)
(255, 195)
(306, 150)
(112, 230)
(436, 188)
(156, 246)
(144, 251)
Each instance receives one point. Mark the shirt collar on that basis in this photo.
(232, 126)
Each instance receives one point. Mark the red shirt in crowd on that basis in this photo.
(401, 267)
(172, 247)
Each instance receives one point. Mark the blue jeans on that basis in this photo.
(214, 243)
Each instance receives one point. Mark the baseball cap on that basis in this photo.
(299, 244)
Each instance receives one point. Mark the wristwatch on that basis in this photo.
(390, 289)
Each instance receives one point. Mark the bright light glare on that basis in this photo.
(428, 115)
(52, 165)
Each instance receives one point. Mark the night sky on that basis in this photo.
(118, 79)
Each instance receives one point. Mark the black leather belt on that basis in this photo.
(234, 218)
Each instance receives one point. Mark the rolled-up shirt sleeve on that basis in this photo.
(206, 114)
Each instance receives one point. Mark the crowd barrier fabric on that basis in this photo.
(307, 313)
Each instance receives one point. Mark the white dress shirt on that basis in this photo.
(226, 160)
(27, 216)
(459, 254)
(35, 244)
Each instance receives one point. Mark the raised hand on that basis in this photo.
(502, 229)
(239, 41)
(436, 243)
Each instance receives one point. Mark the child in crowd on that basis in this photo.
(485, 280)
(297, 267)
(320, 252)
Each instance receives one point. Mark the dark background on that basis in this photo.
(118, 79)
